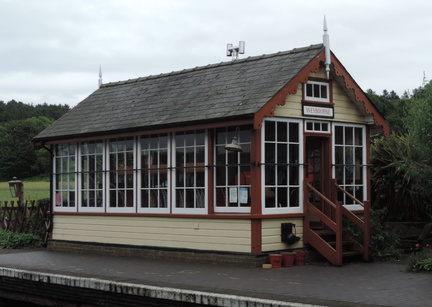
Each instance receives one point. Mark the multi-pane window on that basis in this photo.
(190, 171)
(64, 174)
(121, 173)
(282, 162)
(154, 172)
(232, 171)
(91, 159)
(349, 161)
(317, 126)
(317, 91)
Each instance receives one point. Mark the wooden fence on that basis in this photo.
(27, 217)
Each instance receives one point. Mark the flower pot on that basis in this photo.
(276, 260)
(288, 258)
(300, 257)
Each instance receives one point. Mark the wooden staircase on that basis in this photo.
(326, 233)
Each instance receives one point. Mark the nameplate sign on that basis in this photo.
(316, 111)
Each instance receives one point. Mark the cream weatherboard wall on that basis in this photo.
(271, 234)
(344, 108)
(193, 233)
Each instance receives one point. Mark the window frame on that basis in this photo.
(242, 167)
(109, 171)
(300, 164)
(187, 168)
(162, 191)
(69, 173)
(81, 172)
(363, 164)
(314, 98)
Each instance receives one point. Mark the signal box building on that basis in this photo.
(144, 164)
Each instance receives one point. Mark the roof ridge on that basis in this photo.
(197, 68)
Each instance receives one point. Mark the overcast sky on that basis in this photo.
(51, 49)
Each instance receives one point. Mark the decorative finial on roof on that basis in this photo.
(235, 51)
(326, 42)
(100, 75)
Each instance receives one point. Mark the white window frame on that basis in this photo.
(280, 210)
(140, 187)
(108, 172)
(54, 175)
(313, 98)
(364, 167)
(81, 172)
(238, 189)
(316, 124)
(179, 210)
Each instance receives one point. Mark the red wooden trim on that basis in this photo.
(290, 88)
(359, 95)
(256, 236)
(256, 205)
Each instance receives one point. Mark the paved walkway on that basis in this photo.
(355, 284)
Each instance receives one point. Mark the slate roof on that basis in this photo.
(234, 89)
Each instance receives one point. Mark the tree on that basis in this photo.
(17, 156)
(391, 107)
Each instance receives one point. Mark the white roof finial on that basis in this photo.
(326, 42)
(100, 75)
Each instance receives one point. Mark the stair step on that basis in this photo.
(351, 254)
(344, 243)
(324, 232)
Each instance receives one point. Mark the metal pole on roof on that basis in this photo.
(326, 42)
(100, 75)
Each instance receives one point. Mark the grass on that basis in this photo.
(33, 190)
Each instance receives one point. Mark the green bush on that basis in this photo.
(384, 241)
(10, 240)
(420, 261)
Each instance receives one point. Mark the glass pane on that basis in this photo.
(309, 90)
(294, 197)
(358, 136)
(270, 130)
(221, 197)
(270, 175)
(339, 135)
(144, 199)
(189, 139)
(221, 137)
(294, 132)
(294, 153)
(324, 91)
(199, 138)
(200, 179)
(282, 132)
(316, 90)
(270, 153)
(282, 153)
(179, 139)
(348, 136)
(293, 175)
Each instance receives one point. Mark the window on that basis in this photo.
(121, 174)
(65, 177)
(154, 173)
(91, 175)
(232, 171)
(190, 172)
(316, 126)
(282, 169)
(317, 91)
(349, 161)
